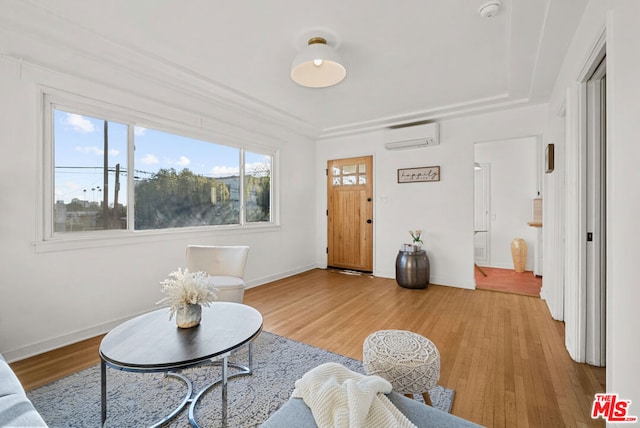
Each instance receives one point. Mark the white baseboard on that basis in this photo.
(508, 266)
(432, 280)
(65, 339)
(270, 278)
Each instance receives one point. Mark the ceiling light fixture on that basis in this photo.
(490, 9)
(317, 65)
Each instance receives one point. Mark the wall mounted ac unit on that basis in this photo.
(411, 137)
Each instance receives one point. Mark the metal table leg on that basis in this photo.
(103, 395)
(225, 378)
(103, 392)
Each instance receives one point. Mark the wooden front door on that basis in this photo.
(350, 213)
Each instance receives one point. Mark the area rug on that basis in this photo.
(136, 400)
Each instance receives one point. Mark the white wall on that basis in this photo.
(444, 209)
(513, 187)
(553, 213)
(51, 296)
(619, 19)
(623, 317)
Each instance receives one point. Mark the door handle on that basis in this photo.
(369, 221)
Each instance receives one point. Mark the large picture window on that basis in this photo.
(117, 175)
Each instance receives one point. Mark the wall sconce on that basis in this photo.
(549, 161)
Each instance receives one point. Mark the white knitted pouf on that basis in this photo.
(410, 362)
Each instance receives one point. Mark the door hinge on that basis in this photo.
(326, 172)
(327, 212)
(327, 250)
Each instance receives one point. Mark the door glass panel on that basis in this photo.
(349, 180)
(349, 175)
(349, 169)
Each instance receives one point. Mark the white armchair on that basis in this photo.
(225, 264)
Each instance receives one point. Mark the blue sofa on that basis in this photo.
(16, 409)
(295, 413)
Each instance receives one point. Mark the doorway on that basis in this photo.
(482, 208)
(586, 213)
(505, 186)
(596, 217)
(350, 213)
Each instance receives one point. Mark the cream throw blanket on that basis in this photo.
(339, 397)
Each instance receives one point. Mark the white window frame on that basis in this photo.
(47, 240)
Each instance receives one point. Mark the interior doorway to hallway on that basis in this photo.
(506, 182)
(596, 217)
(585, 267)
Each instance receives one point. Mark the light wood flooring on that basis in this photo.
(502, 353)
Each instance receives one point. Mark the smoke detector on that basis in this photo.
(490, 9)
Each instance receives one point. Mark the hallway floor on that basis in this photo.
(508, 281)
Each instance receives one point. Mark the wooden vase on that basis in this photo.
(519, 254)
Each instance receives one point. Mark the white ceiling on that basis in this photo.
(406, 60)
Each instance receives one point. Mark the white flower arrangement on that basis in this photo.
(415, 234)
(184, 288)
(416, 245)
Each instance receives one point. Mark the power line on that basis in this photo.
(109, 169)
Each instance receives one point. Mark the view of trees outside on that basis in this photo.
(257, 176)
(179, 181)
(179, 199)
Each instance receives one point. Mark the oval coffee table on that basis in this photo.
(152, 343)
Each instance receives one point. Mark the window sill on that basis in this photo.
(124, 237)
